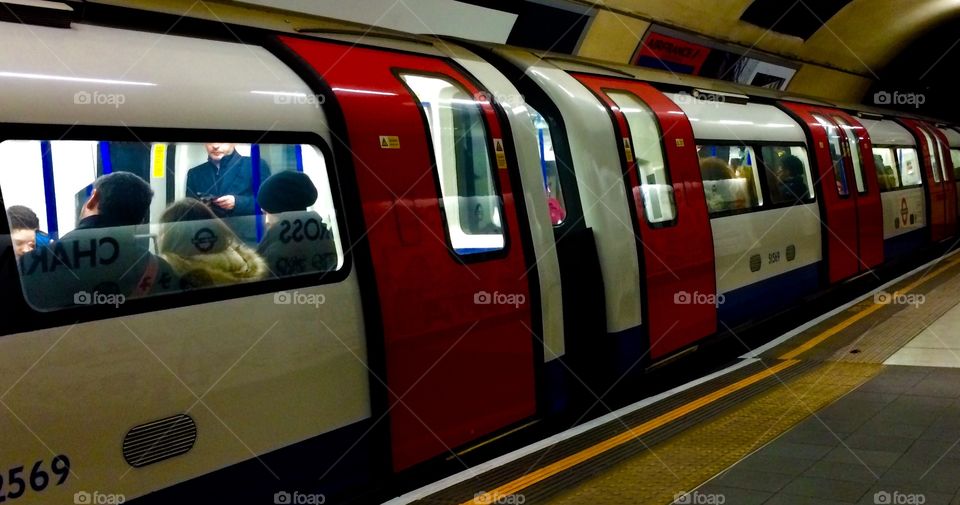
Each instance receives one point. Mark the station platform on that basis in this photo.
(861, 405)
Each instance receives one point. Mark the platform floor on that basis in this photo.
(859, 407)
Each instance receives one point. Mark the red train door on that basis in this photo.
(848, 241)
(933, 172)
(450, 270)
(662, 174)
(869, 205)
(949, 187)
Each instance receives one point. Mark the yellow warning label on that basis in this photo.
(389, 142)
(159, 160)
(627, 150)
(679, 142)
(501, 154)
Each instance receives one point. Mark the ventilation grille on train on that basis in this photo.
(159, 440)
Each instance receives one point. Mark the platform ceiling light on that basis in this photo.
(91, 80)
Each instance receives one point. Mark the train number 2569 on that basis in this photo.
(15, 482)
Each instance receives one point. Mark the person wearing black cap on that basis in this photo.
(297, 240)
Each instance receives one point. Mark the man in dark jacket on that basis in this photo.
(225, 182)
(103, 258)
(297, 240)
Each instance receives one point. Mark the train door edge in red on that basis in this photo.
(677, 259)
(459, 365)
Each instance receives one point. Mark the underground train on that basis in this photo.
(508, 227)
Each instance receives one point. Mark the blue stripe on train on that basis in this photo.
(901, 245)
(767, 297)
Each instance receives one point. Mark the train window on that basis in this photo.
(471, 205)
(909, 163)
(955, 156)
(885, 160)
(788, 173)
(729, 176)
(119, 220)
(853, 142)
(548, 165)
(934, 162)
(836, 154)
(648, 154)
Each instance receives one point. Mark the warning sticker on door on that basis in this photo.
(627, 150)
(389, 142)
(501, 154)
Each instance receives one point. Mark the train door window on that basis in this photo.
(730, 181)
(787, 169)
(120, 220)
(909, 162)
(955, 156)
(548, 166)
(647, 152)
(942, 160)
(836, 154)
(853, 142)
(885, 160)
(471, 204)
(934, 162)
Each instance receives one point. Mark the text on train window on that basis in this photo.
(730, 179)
(471, 204)
(647, 151)
(112, 221)
(909, 162)
(931, 149)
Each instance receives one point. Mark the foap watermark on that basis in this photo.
(316, 100)
(698, 498)
(498, 298)
(885, 298)
(298, 498)
(508, 99)
(298, 298)
(97, 298)
(697, 98)
(898, 498)
(98, 498)
(494, 498)
(698, 298)
(98, 98)
(898, 98)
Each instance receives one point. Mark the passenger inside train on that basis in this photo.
(25, 230)
(787, 174)
(203, 250)
(104, 254)
(297, 240)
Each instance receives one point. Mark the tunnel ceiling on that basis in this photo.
(858, 36)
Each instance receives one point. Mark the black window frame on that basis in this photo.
(30, 318)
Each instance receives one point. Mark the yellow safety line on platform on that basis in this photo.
(846, 323)
(552, 469)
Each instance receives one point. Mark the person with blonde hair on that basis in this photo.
(203, 249)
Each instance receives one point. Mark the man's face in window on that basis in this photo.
(217, 150)
(24, 241)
